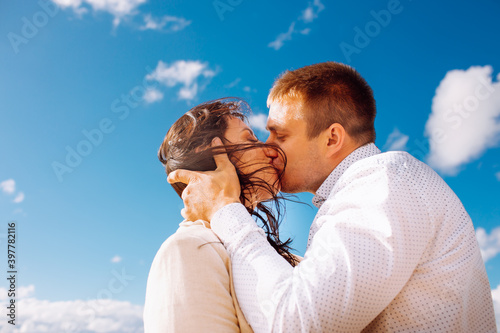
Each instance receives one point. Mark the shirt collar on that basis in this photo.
(187, 223)
(324, 190)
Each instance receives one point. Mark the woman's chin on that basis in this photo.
(265, 195)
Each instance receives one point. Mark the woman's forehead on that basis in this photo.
(235, 128)
(236, 124)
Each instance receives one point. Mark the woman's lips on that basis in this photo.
(277, 163)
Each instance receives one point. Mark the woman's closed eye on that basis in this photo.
(253, 139)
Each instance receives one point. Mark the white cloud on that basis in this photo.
(305, 31)
(152, 95)
(233, 84)
(121, 9)
(192, 76)
(25, 292)
(495, 293)
(312, 11)
(465, 118)
(280, 40)
(76, 5)
(258, 121)
(118, 8)
(78, 316)
(19, 198)
(165, 24)
(498, 175)
(489, 244)
(22, 292)
(396, 141)
(116, 259)
(8, 186)
(189, 92)
(249, 89)
(308, 15)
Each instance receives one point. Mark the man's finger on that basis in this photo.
(182, 176)
(221, 160)
(184, 213)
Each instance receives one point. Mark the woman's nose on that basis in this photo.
(271, 152)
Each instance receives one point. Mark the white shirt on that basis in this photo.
(391, 249)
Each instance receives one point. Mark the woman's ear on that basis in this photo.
(335, 136)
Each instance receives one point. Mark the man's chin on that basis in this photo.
(290, 188)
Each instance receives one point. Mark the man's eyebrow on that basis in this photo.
(274, 128)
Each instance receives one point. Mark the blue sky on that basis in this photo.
(88, 90)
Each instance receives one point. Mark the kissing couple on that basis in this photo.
(391, 248)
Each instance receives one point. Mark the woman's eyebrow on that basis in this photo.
(249, 130)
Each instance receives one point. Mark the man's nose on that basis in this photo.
(269, 141)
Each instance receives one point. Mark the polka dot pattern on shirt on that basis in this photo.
(391, 249)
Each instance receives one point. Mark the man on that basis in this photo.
(391, 247)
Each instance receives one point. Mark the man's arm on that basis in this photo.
(360, 258)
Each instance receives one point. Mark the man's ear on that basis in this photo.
(335, 136)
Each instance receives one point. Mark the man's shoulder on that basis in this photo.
(391, 162)
(392, 157)
(393, 170)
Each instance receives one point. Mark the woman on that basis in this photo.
(190, 286)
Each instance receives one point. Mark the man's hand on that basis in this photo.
(207, 192)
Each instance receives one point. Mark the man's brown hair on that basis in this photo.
(329, 93)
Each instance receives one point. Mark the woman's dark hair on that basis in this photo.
(187, 146)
